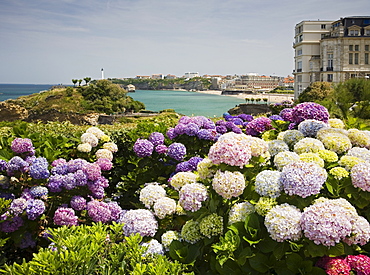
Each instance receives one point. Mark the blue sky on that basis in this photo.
(53, 41)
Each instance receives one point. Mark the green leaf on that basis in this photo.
(259, 263)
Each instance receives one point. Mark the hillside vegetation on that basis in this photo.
(101, 96)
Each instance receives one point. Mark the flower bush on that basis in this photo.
(243, 195)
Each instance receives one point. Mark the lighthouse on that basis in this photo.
(102, 73)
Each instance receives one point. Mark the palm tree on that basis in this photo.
(74, 81)
(258, 100)
(79, 82)
(87, 80)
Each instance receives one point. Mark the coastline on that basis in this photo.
(275, 98)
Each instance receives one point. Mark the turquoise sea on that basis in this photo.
(183, 102)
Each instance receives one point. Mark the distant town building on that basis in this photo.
(331, 51)
(191, 75)
(253, 82)
(143, 77)
(157, 76)
(170, 76)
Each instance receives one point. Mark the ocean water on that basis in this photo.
(183, 102)
(187, 103)
(13, 91)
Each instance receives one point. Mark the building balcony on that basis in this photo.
(329, 69)
(299, 70)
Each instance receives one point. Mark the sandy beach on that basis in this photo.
(271, 97)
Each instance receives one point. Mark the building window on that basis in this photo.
(356, 58)
(350, 47)
(357, 48)
(354, 32)
(367, 58)
(350, 59)
(330, 78)
(299, 52)
(330, 61)
(367, 48)
(299, 66)
(299, 78)
(367, 32)
(323, 26)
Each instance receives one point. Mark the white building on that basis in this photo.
(191, 75)
(331, 51)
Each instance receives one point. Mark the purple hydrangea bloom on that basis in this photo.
(58, 162)
(39, 168)
(97, 187)
(143, 148)
(237, 130)
(193, 162)
(177, 151)
(206, 134)
(185, 120)
(38, 191)
(26, 194)
(17, 206)
(3, 165)
(229, 125)
(65, 216)
(286, 114)
(302, 178)
(237, 121)
(209, 124)
(309, 110)
(140, 221)
(76, 164)
(221, 129)
(183, 167)
(92, 170)
(104, 164)
(60, 169)
(156, 138)
(22, 145)
(69, 181)
(16, 164)
(11, 225)
(115, 210)
(228, 117)
(191, 129)
(78, 203)
(161, 149)
(180, 129)
(246, 117)
(171, 133)
(34, 209)
(258, 126)
(55, 183)
(275, 117)
(81, 178)
(99, 211)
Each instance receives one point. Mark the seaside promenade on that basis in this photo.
(276, 98)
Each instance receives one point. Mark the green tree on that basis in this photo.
(79, 82)
(316, 92)
(74, 81)
(87, 80)
(104, 96)
(353, 96)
